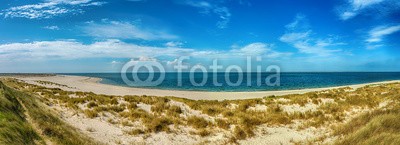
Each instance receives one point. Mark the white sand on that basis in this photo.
(90, 84)
(297, 108)
(267, 135)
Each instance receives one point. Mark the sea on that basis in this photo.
(247, 82)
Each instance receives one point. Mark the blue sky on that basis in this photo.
(101, 36)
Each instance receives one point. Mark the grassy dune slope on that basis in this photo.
(14, 129)
(378, 127)
(49, 125)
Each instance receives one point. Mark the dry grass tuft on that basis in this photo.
(158, 124)
(91, 113)
(197, 122)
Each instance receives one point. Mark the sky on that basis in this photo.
(75, 36)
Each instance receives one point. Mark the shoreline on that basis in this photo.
(354, 86)
(92, 84)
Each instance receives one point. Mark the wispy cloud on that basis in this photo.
(224, 15)
(114, 62)
(208, 7)
(298, 35)
(136, 0)
(124, 30)
(354, 8)
(174, 44)
(376, 35)
(49, 9)
(199, 4)
(258, 49)
(51, 27)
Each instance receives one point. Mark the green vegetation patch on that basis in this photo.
(50, 126)
(14, 129)
(378, 127)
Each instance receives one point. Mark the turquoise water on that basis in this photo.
(288, 81)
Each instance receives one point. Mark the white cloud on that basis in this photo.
(298, 35)
(174, 62)
(45, 50)
(224, 15)
(174, 44)
(347, 15)
(114, 62)
(207, 7)
(299, 22)
(70, 2)
(376, 35)
(373, 46)
(354, 7)
(145, 58)
(360, 4)
(71, 49)
(253, 49)
(52, 27)
(136, 0)
(48, 9)
(199, 4)
(258, 49)
(306, 47)
(124, 30)
(295, 36)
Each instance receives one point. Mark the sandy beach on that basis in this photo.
(90, 84)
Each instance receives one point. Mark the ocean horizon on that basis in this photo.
(288, 80)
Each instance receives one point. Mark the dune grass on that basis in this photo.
(14, 129)
(51, 83)
(197, 122)
(50, 126)
(378, 127)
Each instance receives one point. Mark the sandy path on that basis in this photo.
(89, 84)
